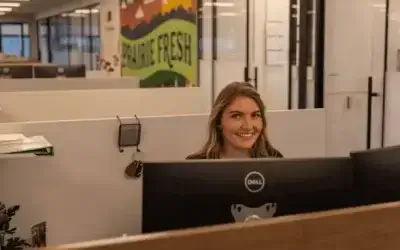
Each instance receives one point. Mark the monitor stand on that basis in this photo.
(241, 213)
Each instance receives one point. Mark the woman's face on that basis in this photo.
(241, 123)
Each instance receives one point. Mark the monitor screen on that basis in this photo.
(377, 174)
(186, 194)
(16, 71)
(49, 71)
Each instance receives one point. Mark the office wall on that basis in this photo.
(63, 99)
(231, 45)
(392, 115)
(82, 193)
(354, 51)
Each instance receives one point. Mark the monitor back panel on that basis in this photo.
(196, 193)
(377, 174)
(16, 71)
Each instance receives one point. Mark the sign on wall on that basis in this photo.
(159, 42)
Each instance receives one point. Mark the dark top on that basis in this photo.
(273, 152)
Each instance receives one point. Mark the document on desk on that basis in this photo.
(7, 138)
(12, 144)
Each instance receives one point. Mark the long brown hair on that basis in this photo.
(213, 146)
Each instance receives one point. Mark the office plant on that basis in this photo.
(8, 239)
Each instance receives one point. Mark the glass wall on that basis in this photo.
(71, 38)
(15, 39)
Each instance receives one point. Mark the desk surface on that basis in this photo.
(367, 228)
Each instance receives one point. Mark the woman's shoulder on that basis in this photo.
(273, 152)
(196, 157)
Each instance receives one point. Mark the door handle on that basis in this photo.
(370, 94)
(348, 102)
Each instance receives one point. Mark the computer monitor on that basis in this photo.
(53, 71)
(377, 174)
(16, 71)
(194, 193)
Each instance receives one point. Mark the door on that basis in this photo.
(354, 55)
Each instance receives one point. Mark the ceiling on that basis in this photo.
(33, 6)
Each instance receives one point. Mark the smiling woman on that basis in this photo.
(237, 126)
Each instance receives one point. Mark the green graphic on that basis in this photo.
(162, 52)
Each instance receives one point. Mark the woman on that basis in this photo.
(237, 126)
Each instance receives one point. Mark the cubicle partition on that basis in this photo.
(81, 191)
(65, 99)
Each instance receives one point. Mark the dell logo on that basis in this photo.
(254, 182)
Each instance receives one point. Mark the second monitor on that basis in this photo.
(195, 193)
(54, 71)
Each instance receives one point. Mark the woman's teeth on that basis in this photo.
(245, 134)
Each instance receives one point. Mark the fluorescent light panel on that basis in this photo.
(219, 4)
(86, 11)
(9, 4)
(5, 9)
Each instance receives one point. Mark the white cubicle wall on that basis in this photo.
(65, 99)
(82, 193)
(392, 114)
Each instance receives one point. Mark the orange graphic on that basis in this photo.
(139, 11)
(169, 5)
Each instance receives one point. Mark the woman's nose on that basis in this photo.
(247, 123)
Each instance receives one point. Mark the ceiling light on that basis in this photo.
(9, 4)
(219, 4)
(86, 11)
(227, 14)
(5, 9)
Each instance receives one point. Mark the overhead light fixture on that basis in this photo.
(86, 11)
(218, 4)
(227, 14)
(5, 9)
(9, 4)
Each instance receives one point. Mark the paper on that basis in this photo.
(21, 144)
(6, 138)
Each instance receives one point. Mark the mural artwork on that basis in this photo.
(159, 42)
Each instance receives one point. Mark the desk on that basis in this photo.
(367, 228)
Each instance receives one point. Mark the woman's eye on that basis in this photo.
(256, 115)
(236, 116)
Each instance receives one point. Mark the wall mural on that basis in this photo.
(159, 42)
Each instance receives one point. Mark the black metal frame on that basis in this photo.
(22, 36)
(384, 74)
(48, 22)
(320, 54)
(305, 51)
(371, 94)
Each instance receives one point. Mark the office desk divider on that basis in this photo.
(82, 192)
(25, 100)
(362, 228)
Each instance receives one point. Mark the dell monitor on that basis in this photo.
(195, 193)
(69, 71)
(377, 174)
